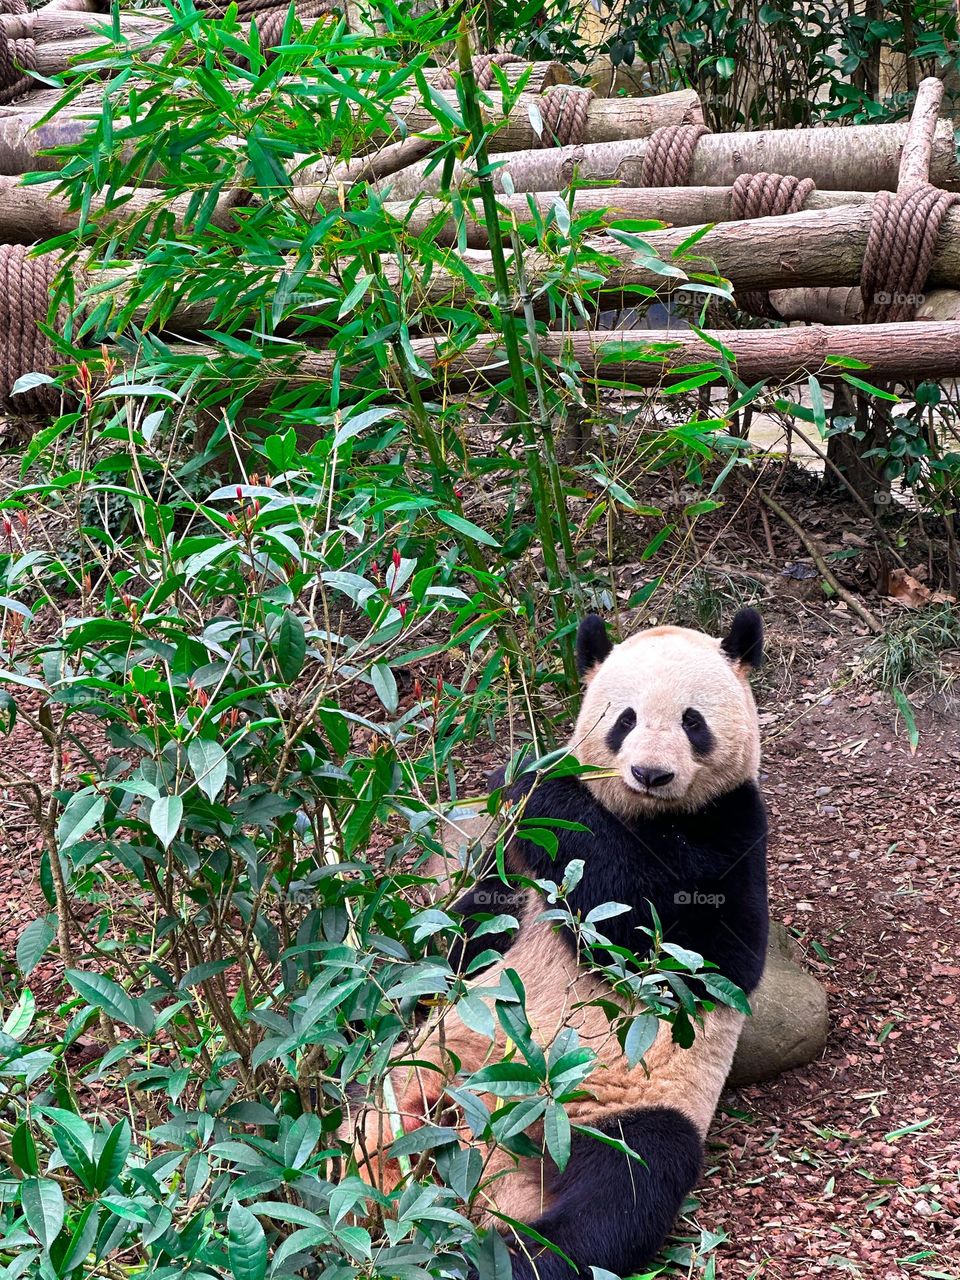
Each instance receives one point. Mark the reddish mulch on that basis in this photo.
(864, 861)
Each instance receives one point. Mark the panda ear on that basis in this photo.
(744, 641)
(593, 643)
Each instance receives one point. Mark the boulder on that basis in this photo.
(790, 1021)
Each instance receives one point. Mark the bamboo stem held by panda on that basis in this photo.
(849, 599)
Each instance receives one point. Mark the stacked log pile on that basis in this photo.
(854, 231)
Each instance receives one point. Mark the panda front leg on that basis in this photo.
(608, 1210)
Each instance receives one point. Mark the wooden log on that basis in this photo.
(543, 75)
(858, 158)
(24, 209)
(676, 206)
(845, 306)
(22, 140)
(815, 248)
(28, 215)
(632, 119)
(651, 358)
(607, 119)
(45, 24)
(73, 6)
(917, 146)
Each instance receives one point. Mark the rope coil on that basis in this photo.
(483, 70)
(25, 286)
(271, 21)
(901, 242)
(565, 111)
(766, 195)
(16, 57)
(668, 155)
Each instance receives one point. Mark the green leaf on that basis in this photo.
(246, 1244)
(82, 1240)
(385, 684)
(166, 814)
(43, 1208)
(290, 648)
(105, 994)
(870, 389)
(467, 527)
(83, 812)
(33, 942)
(359, 422)
(18, 1021)
(902, 703)
(113, 1156)
(726, 991)
(640, 1037)
(208, 760)
(556, 1131)
(24, 1149)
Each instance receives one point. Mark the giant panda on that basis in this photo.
(673, 817)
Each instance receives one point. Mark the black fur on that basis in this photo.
(593, 643)
(610, 1211)
(705, 872)
(625, 723)
(698, 732)
(744, 641)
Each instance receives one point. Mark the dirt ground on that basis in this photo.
(806, 1177)
(850, 1165)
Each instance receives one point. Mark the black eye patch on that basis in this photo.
(697, 731)
(625, 721)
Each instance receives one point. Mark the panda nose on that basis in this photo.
(651, 777)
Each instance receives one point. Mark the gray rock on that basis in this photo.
(790, 1021)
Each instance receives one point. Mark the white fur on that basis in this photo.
(659, 673)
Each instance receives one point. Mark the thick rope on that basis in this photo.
(16, 56)
(25, 285)
(668, 156)
(483, 70)
(766, 195)
(901, 242)
(565, 111)
(270, 22)
(276, 9)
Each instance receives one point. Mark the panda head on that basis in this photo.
(669, 713)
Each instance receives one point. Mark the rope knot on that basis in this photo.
(564, 111)
(668, 155)
(25, 286)
(766, 195)
(901, 243)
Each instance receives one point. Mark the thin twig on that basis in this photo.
(862, 612)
